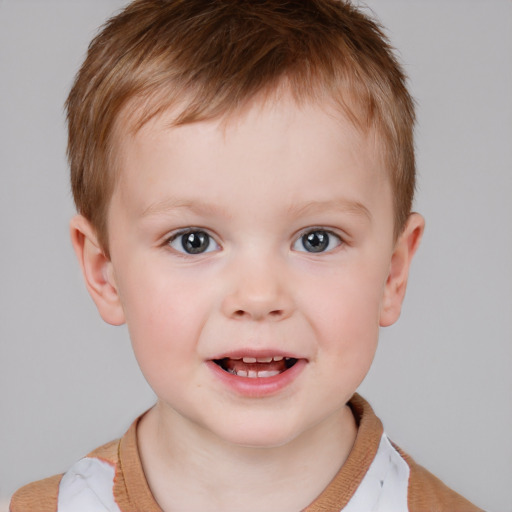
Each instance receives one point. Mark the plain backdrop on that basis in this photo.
(442, 379)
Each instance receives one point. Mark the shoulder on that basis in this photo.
(427, 493)
(404, 484)
(47, 495)
(38, 496)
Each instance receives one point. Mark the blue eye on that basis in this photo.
(193, 242)
(317, 240)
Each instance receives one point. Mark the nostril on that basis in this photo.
(240, 313)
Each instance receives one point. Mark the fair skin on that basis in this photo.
(267, 236)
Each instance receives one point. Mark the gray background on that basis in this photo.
(441, 381)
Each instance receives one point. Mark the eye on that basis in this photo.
(317, 240)
(193, 242)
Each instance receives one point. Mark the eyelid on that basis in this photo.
(174, 235)
(312, 229)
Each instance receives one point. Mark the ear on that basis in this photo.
(97, 270)
(396, 284)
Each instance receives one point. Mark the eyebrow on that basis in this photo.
(172, 203)
(339, 204)
(311, 207)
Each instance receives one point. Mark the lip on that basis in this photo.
(258, 387)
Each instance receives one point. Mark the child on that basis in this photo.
(244, 175)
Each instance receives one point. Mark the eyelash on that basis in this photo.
(322, 237)
(179, 236)
(330, 236)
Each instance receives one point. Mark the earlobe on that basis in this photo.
(97, 270)
(401, 259)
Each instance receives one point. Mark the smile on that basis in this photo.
(257, 375)
(256, 367)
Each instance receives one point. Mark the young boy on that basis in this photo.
(244, 175)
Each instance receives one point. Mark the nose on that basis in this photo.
(258, 290)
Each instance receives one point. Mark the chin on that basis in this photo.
(258, 434)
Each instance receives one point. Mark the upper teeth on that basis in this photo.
(261, 359)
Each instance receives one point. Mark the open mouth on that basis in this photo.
(256, 367)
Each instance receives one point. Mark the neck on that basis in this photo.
(188, 470)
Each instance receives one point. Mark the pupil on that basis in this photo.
(317, 241)
(196, 242)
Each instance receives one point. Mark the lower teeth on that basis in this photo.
(251, 374)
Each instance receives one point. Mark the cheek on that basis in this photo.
(344, 312)
(164, 318)
(154, 297)
(345, 305)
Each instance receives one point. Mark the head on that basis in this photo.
(206, 60)
(244, 174)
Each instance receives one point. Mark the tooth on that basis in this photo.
(241, 373)
(264, 374)
(278, 358)
(249, 359)
(263, 359)
(252, 374)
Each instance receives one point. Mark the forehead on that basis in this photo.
(170, 110)
(266, 142)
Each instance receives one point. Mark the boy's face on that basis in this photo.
(268, 237)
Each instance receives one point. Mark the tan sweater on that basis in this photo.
(425, 493)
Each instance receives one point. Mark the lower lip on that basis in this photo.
(258, 387)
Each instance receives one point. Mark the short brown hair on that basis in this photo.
(208, 58)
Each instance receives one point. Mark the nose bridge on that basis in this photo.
(258, 288)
